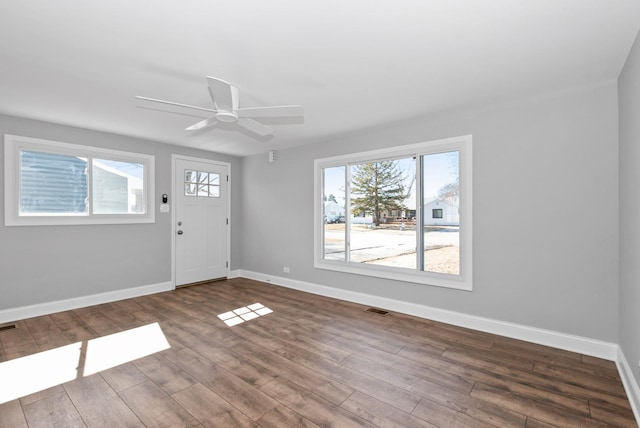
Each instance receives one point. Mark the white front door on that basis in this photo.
(201, 220)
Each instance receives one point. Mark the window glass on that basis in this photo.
(441, 189)
(382, 202)
(190, 189)
(118, 187)
(202, 184)
(52, 184)
(334, 245)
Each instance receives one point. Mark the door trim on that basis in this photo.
(174, 193)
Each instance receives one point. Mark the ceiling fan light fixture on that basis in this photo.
(226, 116)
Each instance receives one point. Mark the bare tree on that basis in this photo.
(450, 191)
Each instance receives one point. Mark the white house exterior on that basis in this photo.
(332, 211)
(120, 191)
(441, 213)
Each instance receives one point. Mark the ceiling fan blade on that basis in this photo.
(273, 111)
(255, 127)
(202, 124)
(171, 103)
(225, 96)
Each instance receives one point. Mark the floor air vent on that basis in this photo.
(7, 327)
(378, 311)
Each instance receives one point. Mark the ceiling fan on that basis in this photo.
(227, 109)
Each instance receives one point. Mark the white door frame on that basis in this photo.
(174, 193)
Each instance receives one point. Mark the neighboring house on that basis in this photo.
(439, 212)
(436, 212)
(332, 212)
(52, 183)
(120, 187)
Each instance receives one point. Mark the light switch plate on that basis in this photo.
(164, 208)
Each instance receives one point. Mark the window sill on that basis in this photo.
(45, 220)
(384, 272)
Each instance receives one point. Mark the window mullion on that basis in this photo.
(419, 214)
(347, 216)
(323, 232)
(90, 186)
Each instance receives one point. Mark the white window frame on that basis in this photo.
(463, 281)
(14, 144)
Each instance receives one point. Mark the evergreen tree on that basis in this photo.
(377, 187)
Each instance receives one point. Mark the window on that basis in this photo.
(201, 184)
(50, 183)
(402, 213)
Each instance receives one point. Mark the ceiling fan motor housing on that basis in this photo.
(226, 116)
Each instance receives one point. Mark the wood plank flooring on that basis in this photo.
(313, 361)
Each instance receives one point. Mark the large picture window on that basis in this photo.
(402, 213)
(48, 182)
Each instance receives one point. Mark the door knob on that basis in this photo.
(180, 232)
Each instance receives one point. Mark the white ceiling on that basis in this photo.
(352, 64)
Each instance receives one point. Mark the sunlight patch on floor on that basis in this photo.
(36, 372)
(245, 313)
(33, 373)
(109, 351)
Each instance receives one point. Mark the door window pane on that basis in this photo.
(214, 185)
(202, 184)
(190, 189)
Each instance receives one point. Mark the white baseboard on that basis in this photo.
(582, 345)
(30, 311)
(630, 385)
(234, 274)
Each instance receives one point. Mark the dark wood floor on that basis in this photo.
(314, 361)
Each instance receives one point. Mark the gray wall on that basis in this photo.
(629, 112)
(41, 264)
(550, 165)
